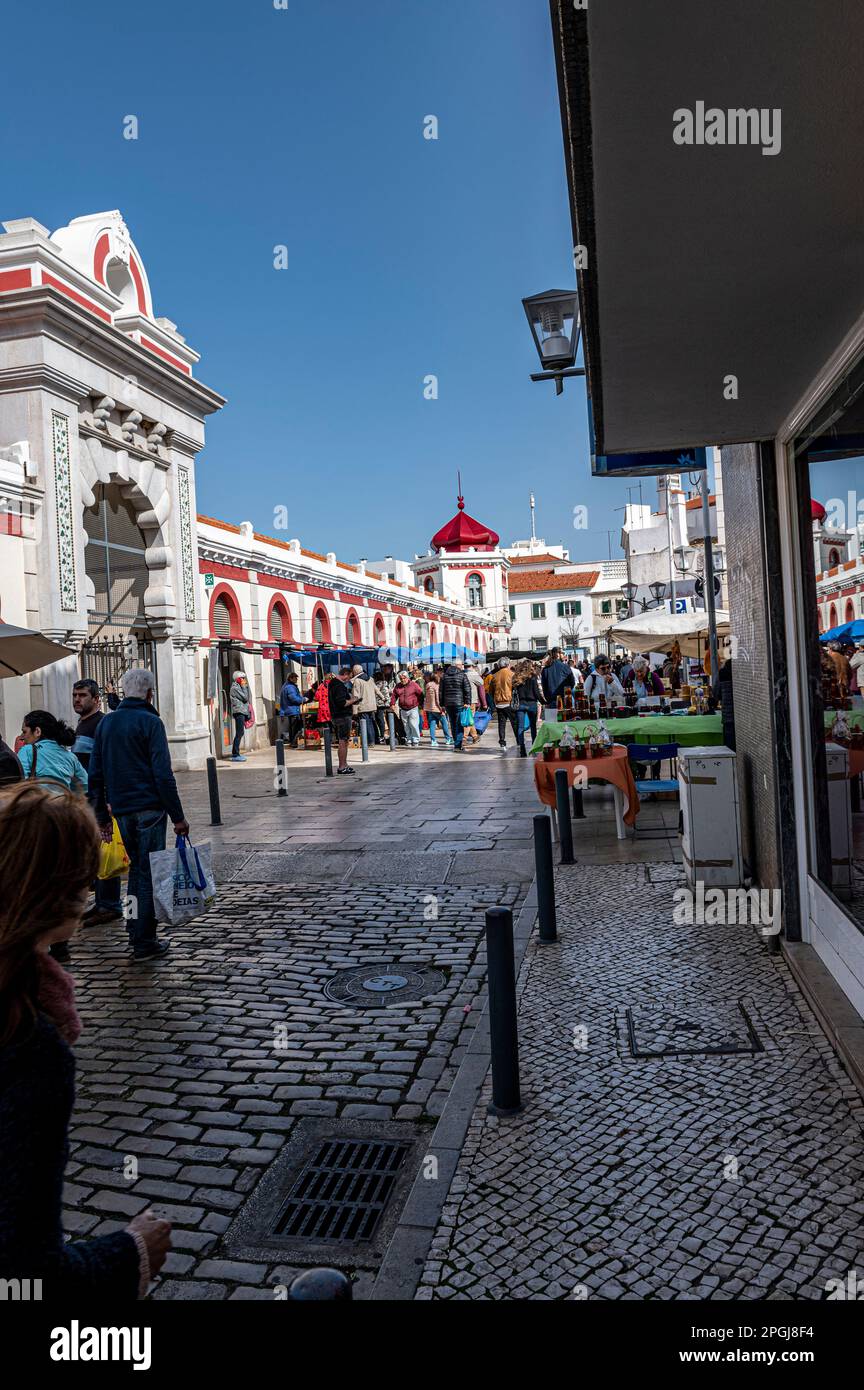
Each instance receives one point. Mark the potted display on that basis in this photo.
(567, 746)
(549, 752)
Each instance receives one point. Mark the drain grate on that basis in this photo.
(373, 986)
(691, 1029)
(342, 1192)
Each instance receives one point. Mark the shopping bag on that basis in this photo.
(481, 720)
(113, 859)
(183, 883)
(466, 717)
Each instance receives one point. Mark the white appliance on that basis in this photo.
(840, 819)
(711, 835)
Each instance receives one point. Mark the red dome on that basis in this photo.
(462, 532)
(817, 511)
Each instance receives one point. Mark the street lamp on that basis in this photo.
(553, 318)
(658, 590)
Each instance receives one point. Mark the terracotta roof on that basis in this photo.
(539, 581)
(542, 559)
(223, 525)
(697, 502)
(313, 555)
(462, 532)
(271, 540)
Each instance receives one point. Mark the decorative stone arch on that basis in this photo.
(322, 617)
(379, 631)
(146, 489)
(433, 633)
(400, 633)
(832, 616)
(232, 603)
(279, 605)
(849, 616)
(353, 629)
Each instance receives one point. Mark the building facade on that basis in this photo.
(101, 546)
(554, 603)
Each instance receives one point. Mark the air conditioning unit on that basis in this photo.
(711, 832)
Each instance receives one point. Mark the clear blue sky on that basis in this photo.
(406, 257)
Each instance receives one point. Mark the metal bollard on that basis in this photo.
(578, 808)
(281, 790)
(213, 789)
(503, 1035)
(320, 1284)
(547, 925)
(391, 724)
(565, 825)
(364, 739)
(327, 736)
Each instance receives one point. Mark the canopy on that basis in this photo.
(22, 650)
(846, 632)
(656, 631)
(446, 651)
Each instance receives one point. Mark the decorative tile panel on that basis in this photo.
(186, 547)
(65, 520)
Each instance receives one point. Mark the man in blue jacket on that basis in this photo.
(130, 776)
(290, 701)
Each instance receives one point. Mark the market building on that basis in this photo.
(101, 547)
(755, 344)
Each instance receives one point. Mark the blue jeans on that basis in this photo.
(453, 713)
(143, 833)
(433, 724)
(107, 892)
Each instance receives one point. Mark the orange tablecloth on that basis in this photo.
(614, 768)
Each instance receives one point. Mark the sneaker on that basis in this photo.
(433, 745)
(153, 952)
(344, 771)
(97, 915)
(238, 758)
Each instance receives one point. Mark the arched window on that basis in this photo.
(850, 611)
(400, 633)
(225, 618)
(380, 634)
(433, 634)
(832, 616)
(279, 621)
(115, 561)
(475, 591)
(429, 584)
(320, 625)
(352, 630)
(833, 558)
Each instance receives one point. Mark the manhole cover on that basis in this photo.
(342, 1192)
(691, 1030)
(373, 985)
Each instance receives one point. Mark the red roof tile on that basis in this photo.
(539, 581)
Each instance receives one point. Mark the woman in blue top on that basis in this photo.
(45, 754)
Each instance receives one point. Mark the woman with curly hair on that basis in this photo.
(49, 855)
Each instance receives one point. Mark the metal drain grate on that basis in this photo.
(342, 1192)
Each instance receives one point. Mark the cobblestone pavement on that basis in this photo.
(193, 1074)
(700, 1177)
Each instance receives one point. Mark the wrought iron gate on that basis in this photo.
(105, 659)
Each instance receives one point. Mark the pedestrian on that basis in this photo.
(382, 705)
(10, 768)
(290, 703)
(408, 695)
(529, 693)
(341, 702)
(856, 662)
(478, 698)
(556, 677)
(87, 705)
(602, 685)
(49, 854)
(434, 712)
(46, 753)
(363, 689)
(454, 693)
(130, 771)
(390, 683)
(502, 694)
(241, 711)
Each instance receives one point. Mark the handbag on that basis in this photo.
(113, 859)
(182, 890)
(466, 717)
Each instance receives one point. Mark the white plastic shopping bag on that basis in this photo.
(183, 883)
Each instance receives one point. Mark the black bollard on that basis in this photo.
(503, 1035)
(213, 789)
(578, 808)
(391, 724)
(320, 1284)
(565, 825)
(281, 789)
(545, 879)
(328, 750)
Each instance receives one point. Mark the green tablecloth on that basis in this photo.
(854, 718)
(688, 730)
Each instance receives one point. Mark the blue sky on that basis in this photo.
(406, 257)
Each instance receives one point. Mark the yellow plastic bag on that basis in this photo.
(113, 859)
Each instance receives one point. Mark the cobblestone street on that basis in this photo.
(683, 1177)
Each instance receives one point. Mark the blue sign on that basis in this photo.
(640, 465)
